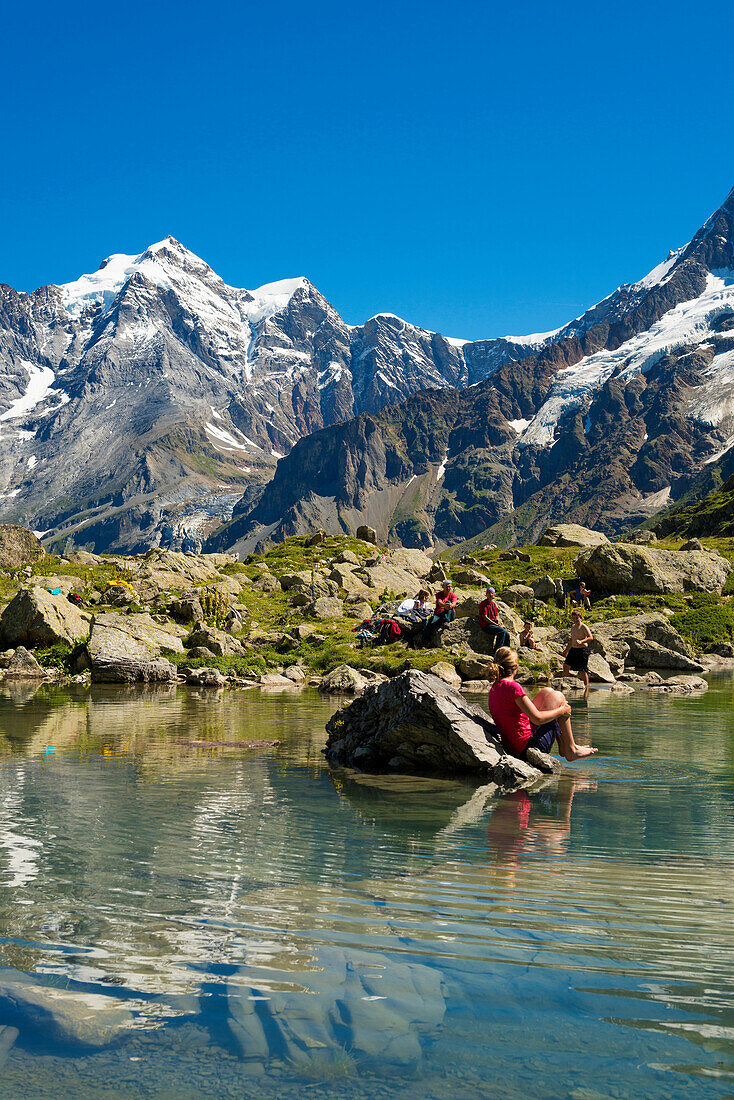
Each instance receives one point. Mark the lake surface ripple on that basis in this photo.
(222, 922)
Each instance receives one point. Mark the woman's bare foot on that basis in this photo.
(579, 752)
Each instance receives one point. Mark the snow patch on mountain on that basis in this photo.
(40, 381)
(687, 323)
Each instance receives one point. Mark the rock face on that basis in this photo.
(571, 534)
(123, 653)
(533, 442)
(18, 547)
(626, 568)
(36, 618)
(343, 680)
(417, 723)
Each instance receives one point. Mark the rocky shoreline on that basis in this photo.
(286, 618)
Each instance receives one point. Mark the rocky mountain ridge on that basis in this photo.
(609, 420)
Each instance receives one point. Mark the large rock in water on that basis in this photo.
(621, 567)
(571, 534)
(18, 546)
(36, 618)
(122, 652)
(417, 723)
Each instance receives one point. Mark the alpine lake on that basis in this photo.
(185, 918)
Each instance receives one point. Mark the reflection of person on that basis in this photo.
(576, 653)
(524, 723)
(521, 824)
(489, 621)
(444, 612)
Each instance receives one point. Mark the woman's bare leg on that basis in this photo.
(547, 699)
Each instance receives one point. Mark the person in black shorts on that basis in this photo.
(576, 653)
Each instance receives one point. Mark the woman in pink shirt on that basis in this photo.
(523, 723)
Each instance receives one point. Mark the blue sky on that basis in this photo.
(474, 167)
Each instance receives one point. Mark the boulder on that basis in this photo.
(476, 687)
(447, 673)
(316, 538)
(641, 538)
(187, 609)
(295, 673)
(620, 567)
(472, 578)
(343, 680)
(24, 666)
(361, 610)
(437, 573)
(275, 680)
(344, 577)
(36, 618)
(211, 638)
(467, 634)
(347, 557)
(418, 724)
(692, 544)
(681, 685)
(644, 641)
(122, 650)
(18, 547)
(516, 594)
(547, 588)
(205, 677)
(571, 534)
(118, 595)
(326, 607)
(266, 582)
(474, 666)
(599, 670)
(367, 534)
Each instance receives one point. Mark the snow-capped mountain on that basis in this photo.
(144, 402)
(139, 403)
(604, 421)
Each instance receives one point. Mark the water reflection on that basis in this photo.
(245, 915)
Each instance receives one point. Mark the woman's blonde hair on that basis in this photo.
(506, 661)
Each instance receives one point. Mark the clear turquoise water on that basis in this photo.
(361, 937)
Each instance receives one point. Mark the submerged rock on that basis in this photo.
(359, 1001)
(62, 1015)
(417, 723)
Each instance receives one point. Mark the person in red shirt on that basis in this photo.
(489, 621)
(524, 723)
(444, 611)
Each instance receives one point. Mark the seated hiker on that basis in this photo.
(489, 621)
(581, 597)
(576, 653)
(527, 635)
(524, 723)
(444, 611)
(415, 609)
